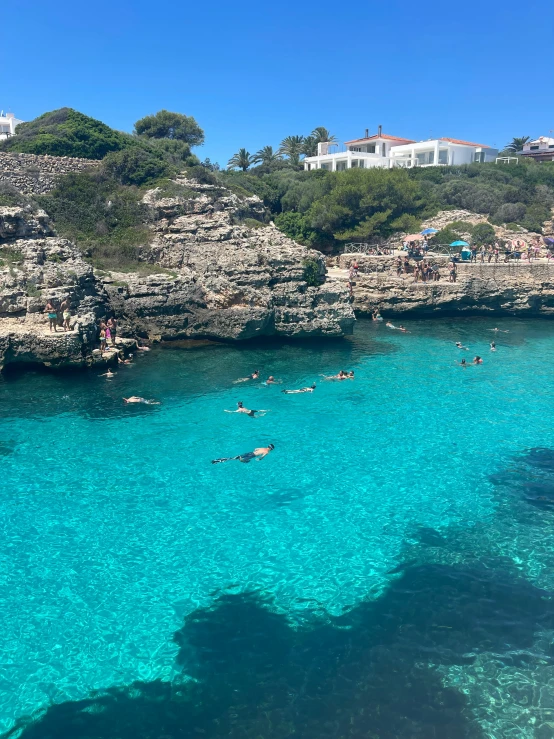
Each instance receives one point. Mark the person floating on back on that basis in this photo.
(301, 390)
(258, 453)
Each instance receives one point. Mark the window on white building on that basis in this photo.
(425, 157)
(370, 148)
(479, 157)
(354, 163)
(443, 156)
(341, 165)
(355, 148)
(325, 165)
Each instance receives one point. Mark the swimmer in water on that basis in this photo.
(109, 374)
(254, 376)
(376, 316)
(463, 363)
(499, 329)
(341, 376)
(247, 411)
(401, 328)
(351, 375)
(302, 390)
(136, 399)
(258, 453)
(477, 360)
(121, 359)
(388, 324)
(461, 346)
(493, 346)
(271, 381)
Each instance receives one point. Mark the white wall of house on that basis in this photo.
(8, 123)
(439, 152)
(346, 160)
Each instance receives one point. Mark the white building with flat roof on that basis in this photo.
(367, 152)
(8, 122)
(444, 151)
(383, 150)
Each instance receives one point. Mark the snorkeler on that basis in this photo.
(302, 390)
(258, 453)
(136, 399)
(247, 411)
(461, 346)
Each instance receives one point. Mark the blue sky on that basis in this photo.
(254, 72)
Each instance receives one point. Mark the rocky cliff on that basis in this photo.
(218, 274)
(504, 289)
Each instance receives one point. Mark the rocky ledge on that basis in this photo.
(217, 272)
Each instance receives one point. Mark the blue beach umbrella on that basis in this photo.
(427, 231)
(459, 243)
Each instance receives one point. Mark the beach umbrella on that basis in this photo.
(427, 231)
(459, 243)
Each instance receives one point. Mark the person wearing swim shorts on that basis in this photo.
(52, 315)
(258, 453)
(65, 308)
(112, 325)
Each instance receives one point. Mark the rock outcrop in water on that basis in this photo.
(214, 276)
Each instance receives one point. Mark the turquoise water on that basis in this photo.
(402, 520)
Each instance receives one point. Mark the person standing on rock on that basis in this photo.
(52, 315)
(112, 325)
(65, 309)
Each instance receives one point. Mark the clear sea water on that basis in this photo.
(387, 571)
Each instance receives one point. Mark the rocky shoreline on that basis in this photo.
(216, 275)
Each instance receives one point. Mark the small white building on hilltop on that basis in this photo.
(386, 151)
(541, 149)
(8, 123)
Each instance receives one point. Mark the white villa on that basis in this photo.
(383, 150)
(541, 149)
(8, 122)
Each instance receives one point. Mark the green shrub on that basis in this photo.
(311, 272)
(32, 290)
(135, 166)
(446, 236)
(171, 189)
(174, 126)
(105, 219)
(483, 234)
(66, 132)
(253, 223)
(297, 228)
(11, 197)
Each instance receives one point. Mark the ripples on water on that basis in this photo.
(385, 572)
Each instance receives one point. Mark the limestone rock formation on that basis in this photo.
(227, 279)
(217, 274)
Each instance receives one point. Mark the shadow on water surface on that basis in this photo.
(366, 674)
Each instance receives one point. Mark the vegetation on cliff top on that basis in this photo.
(325, 209)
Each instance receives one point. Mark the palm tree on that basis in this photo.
(309, 147)
(517, 143)
(291, 147)
(266, 155)
(321, 135)
(242, 159)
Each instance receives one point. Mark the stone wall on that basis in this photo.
(33, 174)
